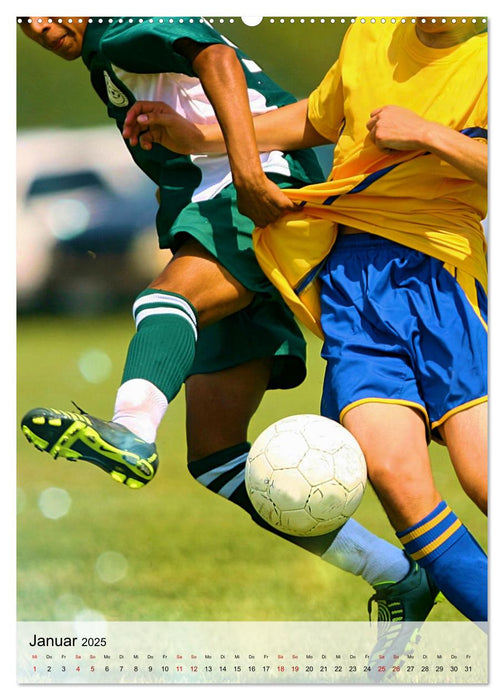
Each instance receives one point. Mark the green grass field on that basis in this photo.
(171, 551)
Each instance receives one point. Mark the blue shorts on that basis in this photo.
(401, 327)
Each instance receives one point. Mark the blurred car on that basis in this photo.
(85, 220)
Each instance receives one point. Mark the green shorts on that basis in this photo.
(267, 327)
(220, 228)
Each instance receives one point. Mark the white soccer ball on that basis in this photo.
(305, 475)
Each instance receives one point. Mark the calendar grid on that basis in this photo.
(234, 652)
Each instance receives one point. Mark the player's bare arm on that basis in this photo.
(221, 75)
(223, 80)
(285, 129)
(397, 128)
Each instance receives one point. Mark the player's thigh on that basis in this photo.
(197, 275)
(392, 437)
(466, 436)
(219, 406)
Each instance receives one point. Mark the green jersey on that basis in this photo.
(136, 59)
(132, 60)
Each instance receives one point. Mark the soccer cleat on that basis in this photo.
(402, 608)
(115, 449)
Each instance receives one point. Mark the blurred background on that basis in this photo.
(87, 547)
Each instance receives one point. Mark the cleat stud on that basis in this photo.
(133, 483)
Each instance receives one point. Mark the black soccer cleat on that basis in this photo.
(79, 436)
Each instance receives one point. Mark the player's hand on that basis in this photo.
(155, 122)
(263, 201)
(397, 129)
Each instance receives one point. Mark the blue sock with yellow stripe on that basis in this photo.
(444, 547)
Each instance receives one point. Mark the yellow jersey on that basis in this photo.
(413, 198)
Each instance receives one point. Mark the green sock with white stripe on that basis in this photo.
(162, 350)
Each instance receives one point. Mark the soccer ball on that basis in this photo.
(305, 475)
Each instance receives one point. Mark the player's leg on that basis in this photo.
(399, 469)
(466, 436)
(193, 291)
(197, 275)
(159, 358)
(219, 408)
(398, 463)
(392, 338)
(220, 405)
(456, 397)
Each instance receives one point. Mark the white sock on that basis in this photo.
(358, 551)
(140, 407)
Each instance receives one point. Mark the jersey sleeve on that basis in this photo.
(325, 104)
(148, 45)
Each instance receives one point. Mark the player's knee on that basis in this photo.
(400, 477)
(385, 468)
(195, 274)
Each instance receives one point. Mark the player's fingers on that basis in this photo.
(145, 145)
(372, 132)
(371, 123)
(141, 108)
(272, 214)
(145, 140)
(133, 113)
(136, 128)
(130, 129)
(153, 119)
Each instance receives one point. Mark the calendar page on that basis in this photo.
(252, 269)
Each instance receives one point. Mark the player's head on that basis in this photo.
(62, 36)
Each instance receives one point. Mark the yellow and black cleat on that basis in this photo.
(79, 436)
